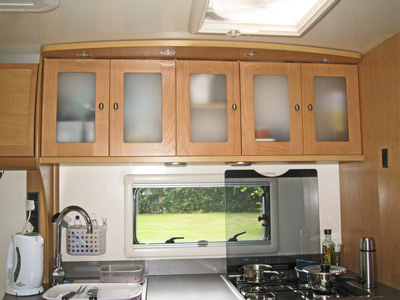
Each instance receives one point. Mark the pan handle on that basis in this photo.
(350, 278)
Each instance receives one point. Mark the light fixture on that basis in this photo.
(325, 60)
(27, 6)
(84, 54)
(175, 164)
(240, 164)
(258, 17)
(168, 52)
(251, 53)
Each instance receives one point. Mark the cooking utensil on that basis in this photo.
(323, 277)
(300, 264)
(259, 273)
(93, 293)
(72, 294)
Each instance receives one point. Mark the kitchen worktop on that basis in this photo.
(204, 286)
(189, 287)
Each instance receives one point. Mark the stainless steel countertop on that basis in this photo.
(205, 286)
(189, 287)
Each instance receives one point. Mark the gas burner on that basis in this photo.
(325, 295)
(259, 296)
(252, 289)
(303, 286)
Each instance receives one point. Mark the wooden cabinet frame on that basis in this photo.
(311, 145)
(99, 147)
(249, 144)
(184, 144)
(117, 145)
(17, 106)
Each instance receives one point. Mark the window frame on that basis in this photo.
(190, 249)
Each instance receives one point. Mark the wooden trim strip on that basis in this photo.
(192, 43)
(198, 159)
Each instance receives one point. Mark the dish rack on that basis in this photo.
(79, 242)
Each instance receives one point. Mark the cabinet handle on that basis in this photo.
(101, 106)
(310, 107)
(115, 106)
(297, 107)
(234, 107)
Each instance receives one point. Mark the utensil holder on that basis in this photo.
(79, 242)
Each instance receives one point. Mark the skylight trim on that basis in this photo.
(317, 11)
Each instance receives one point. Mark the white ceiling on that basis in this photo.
(355, 25)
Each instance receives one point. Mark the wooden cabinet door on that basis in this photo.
(331, 111)
(75, 107)
(17, 109)
(208, 108)
(143, 106)
(271, 109)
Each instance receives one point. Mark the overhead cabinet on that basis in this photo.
(17, 109)
(292, 109)
(198, 108)
(208, 108)
(103, 107)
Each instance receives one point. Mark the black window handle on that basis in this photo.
(234, 238)
(172, 240)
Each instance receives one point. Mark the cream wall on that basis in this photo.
(12, 214)
(100, 189)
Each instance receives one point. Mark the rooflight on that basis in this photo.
(24, 6)
(259, 17)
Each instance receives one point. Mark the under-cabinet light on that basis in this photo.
(240, 164)
(84, 54)
(168, 52)
(258, 17)
(175, 164)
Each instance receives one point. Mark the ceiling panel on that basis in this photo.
(354, 25)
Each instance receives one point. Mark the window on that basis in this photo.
(257, 17)
(198, 214)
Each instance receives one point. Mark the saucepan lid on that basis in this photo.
(324, 269)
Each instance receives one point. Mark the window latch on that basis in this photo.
(172, 240)
(262, 218)
(234, 238)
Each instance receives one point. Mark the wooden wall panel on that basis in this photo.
(370, 203)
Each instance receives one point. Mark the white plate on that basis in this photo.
(106, 291)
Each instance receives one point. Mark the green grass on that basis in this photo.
(197, 226)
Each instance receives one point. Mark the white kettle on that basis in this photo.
(25, 264)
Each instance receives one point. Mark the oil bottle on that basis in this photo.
(328, 249)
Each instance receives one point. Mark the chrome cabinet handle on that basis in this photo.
(234, 107)
(101, 106)
(115, 106)
(310, 107)
(297, 107)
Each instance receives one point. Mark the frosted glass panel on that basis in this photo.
(208, 115)
(142, 108)
(76, 101)
(271, 108)
(331, 118)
